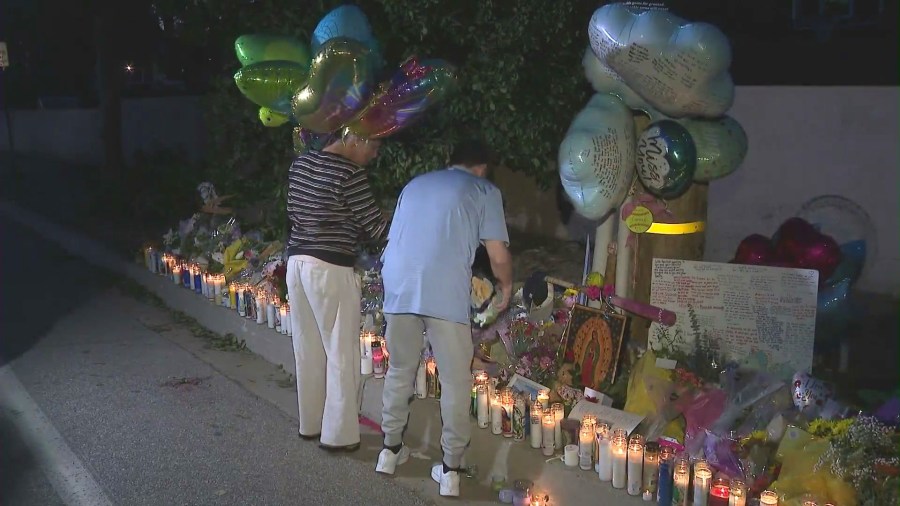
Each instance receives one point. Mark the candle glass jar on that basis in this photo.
(651, 467)
(768, 498)
(702, 482)
(619, 447)
(738, 493)
(548, 424)
(586, 448)
(681, 480)
(635, 464)
(719, 492)
(604, 452)
(559, 413)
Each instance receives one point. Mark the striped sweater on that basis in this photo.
(331, 208)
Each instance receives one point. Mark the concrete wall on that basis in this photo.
(804, 142)
(74, 135)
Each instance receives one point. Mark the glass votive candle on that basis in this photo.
(719, 492)
(768, 498)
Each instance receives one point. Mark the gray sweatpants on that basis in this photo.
(452, 346)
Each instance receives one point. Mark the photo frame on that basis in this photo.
(593, 342)
(526, 386)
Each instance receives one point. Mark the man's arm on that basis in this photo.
(366, 213)
(502, 267)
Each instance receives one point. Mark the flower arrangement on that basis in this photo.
(538, 364)
(865, 452)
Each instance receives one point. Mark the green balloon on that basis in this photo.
(340, 84)
(721, 146)
(666, 159)
(257, 48)
(272, 83)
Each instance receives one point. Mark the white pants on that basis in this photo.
(325, 317)
(452, 345)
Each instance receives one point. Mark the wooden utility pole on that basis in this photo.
(109, 84)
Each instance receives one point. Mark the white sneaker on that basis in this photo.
(449, 481)
(388, 460)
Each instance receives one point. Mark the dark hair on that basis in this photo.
(470, 153)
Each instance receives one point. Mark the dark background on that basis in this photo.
(52, 45)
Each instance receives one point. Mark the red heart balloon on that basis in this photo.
(755, 249)
(821, 253)
(793, 235)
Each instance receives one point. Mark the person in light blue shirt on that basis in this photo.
(440, 220)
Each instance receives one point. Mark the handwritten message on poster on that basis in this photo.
(762, 317)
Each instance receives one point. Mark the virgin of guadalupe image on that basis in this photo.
(593, 349)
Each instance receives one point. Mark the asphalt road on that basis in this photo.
(95, 405)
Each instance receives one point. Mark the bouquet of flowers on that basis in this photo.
(866, 453)
(274, 276)
(538, 364)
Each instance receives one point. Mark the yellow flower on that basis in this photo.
(595, 279)
(233, 264)
(570, 292)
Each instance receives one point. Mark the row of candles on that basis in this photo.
(641, 468)
(249, 303)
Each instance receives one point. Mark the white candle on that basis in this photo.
(239, 297)
(702, 479)
(635, 464)
(543, 397)
(570, 455)
(261, 308)
(482, 406)
(682, 480)
(176, 275)
(559, 413)
(737, 495)
(548, 425)
(604, 453)
(366, 366)
(651, 467)
(496, 414)
(506, 400)
(537, 411)
(422, 383)
(217, 289)
(619, 458)
(768, 498)
(282, 310)
(586, 448)
(270, 315)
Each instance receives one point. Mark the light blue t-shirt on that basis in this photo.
(439, 221)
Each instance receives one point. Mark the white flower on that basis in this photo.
(219, 257)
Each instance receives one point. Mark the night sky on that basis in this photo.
(52, 47)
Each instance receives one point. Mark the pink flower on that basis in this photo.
(593, 292)
(545, 362)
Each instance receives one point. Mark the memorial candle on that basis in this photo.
(198, 279)
(737, 495)
(665, 487)
(768, 498)
(619, 461)
(422, 382)
(261, 307)
(682, 480)
(379, 366)
(496, 414)
(651, 467)
(537, 411)
(270, 314)
(506, 400)
(586, 447)
(702, 481)
(365, 353)
(543, 397)
(548, 426)
(559, 413)
(604, 452)
(239, 300)
(283, 311)
(176, 274)
(635, 464)
(719, 492)
(482, 408)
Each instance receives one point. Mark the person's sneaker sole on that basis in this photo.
(339, 449)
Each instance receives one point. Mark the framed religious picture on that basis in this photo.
(593, 339)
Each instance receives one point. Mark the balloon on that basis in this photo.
(850, 225)
(271, 118)
(402, 100)
(304, 140)
(271, 83)
(804, 246)
(347, 21)
(810, 393)
(604, 80)
(596, 158)
(340, 80)
(257, 48)
(666, 159)
(679, 68)
(755, 249)
(721, 146)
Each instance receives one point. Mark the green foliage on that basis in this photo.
(520, 84)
